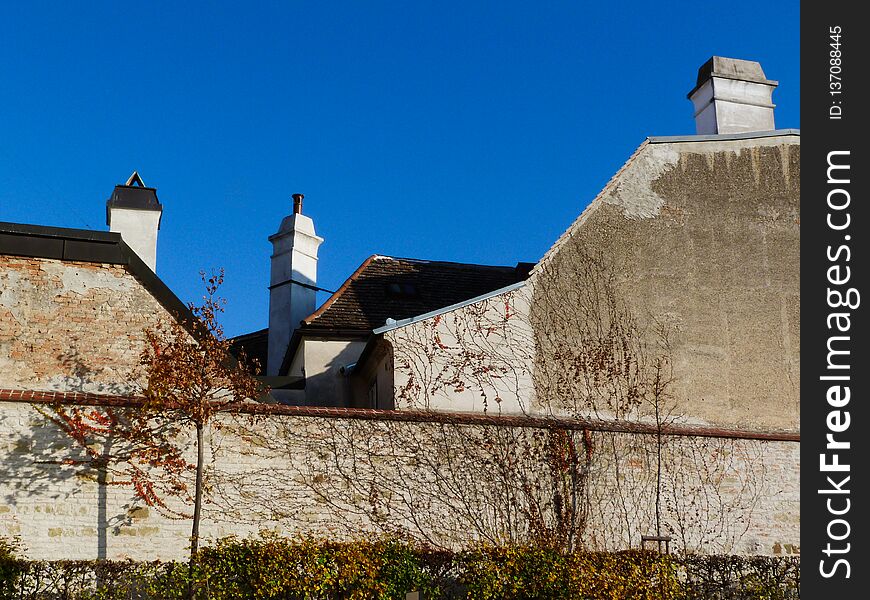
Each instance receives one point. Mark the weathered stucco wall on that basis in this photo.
(70, 325)
(475, 358)
(700, 242)
(444, 483)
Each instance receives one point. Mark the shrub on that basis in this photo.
(10, 566)
(533, 572)
(741, 577)
(274, 568)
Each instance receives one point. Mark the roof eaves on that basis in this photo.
(249, 336)
(446, 263)
(722, 137)
(447, 309)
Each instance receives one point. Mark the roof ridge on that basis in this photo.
(439, 262)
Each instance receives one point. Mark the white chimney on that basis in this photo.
(292, 289)
(134, 212)
(732, 96)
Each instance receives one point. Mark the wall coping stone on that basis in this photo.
(416, 416)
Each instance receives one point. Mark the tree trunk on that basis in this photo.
(197, 509)
(197, 501)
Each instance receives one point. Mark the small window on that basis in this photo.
(402, 290)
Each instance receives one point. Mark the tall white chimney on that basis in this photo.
(134, 211)
(292, 289)
(732, 96)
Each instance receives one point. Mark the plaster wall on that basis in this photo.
(474, 358)
(325, 384)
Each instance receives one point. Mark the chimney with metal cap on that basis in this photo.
(134, 211)
(732, 96)
(293, 282)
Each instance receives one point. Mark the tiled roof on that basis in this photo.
(384, 288)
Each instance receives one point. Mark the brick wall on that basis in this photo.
(71, 325)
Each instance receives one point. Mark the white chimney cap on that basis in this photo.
(732, 96)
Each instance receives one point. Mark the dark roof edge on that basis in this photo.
(371, 344)
(83, 245)
(722, 137)
(243, 337)
(161, 292)
(292, 347)
(59, 232)
(441, 262)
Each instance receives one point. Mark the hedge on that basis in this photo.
(273, 568)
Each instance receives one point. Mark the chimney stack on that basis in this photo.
(292, 289)
(134, 211)
(732, 96)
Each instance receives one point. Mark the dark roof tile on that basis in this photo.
(398, 288)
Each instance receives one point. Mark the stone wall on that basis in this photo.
(445, 483)
(702, 237)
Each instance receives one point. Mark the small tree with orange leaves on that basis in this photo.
(190, 377)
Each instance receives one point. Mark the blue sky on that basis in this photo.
(463, 131)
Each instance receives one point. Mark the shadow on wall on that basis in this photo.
(44, 466)
(447, 484)
(333, 385)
